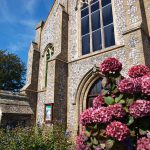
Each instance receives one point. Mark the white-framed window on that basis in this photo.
(97, 27)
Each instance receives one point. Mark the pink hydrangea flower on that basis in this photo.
(86, 117)
(80, 143)
(146, 85)
(102, 115)
(98, 101)
(143, 144)
(110, 65)
(140, 108)
(130, 85)
(138, 71)
(117, 110)
(117, 130)
(126, 86)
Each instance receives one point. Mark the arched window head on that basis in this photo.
(97, 27)
(48, 53)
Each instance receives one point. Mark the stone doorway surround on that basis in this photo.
(82, 92)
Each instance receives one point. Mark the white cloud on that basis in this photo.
(28, 23)
(7, 16)
(30, 5)
(17, 46)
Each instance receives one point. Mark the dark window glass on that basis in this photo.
(107, 15)
(85, 44)
(105, 2)
(93, 1)
(90, 102)
(96, 20)
(94, 92)
(84, 5)
(85, 25)
(95, 7)
(84, 12)
(97, 43)
(109, 35)
(99, 86)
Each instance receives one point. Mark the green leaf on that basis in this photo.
(109, 100)
(89, 144)
(142, 132)
(102, 132)
(130, 121)
(129, 101)
(94, 141)
(104, 82)
(104, 92)
(113, 86)
(126, 109)
(115, 90)
(103, 145)
(117, 99)
(109, 143)
(122, 101)
(132, 133)
(87, 133)
(95, 127)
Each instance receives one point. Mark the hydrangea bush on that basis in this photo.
(120, 116)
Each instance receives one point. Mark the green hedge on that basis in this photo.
(43, 138)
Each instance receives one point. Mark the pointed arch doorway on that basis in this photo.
(89, 88)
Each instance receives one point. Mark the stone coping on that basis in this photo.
(13, 96)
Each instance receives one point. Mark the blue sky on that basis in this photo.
(18, 19)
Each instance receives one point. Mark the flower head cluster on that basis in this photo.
(138, 71)
(98, 101)
(80, 143)
(102, 115)
(86, 116)
(143, 144)
(140, 108)
(130, 85)
(117, 130)
(110, 65)
(146, 85)
(117, 110)
(126, 86)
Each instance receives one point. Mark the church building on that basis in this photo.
(63, 60)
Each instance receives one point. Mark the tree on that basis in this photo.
(12, 71)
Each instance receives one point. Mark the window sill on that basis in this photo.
(98, 52)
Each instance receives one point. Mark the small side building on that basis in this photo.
(14, 110)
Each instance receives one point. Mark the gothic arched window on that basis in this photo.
(49, 52)
(97, 28)
(93, 92)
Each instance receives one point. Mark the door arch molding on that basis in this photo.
(82, 92)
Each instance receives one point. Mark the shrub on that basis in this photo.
(35, 138)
